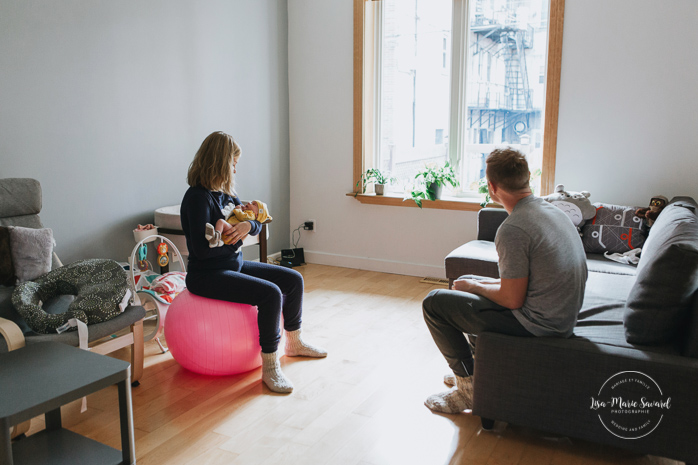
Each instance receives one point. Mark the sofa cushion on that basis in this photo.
(597, 263)
(667, 277)
(601, 318)
(614, 229)
(604, 325)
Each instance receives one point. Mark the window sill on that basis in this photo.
(450, 203)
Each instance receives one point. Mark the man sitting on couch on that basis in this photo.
(543, 272)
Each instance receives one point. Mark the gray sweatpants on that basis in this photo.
(449, 314)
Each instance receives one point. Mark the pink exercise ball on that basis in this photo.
(213, 337)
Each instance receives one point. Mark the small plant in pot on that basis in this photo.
(377, 177)
(431, 181)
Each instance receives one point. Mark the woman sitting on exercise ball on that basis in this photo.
(221, 273)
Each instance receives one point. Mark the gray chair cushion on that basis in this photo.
(667, 278)
(97, 331)
(20, 197)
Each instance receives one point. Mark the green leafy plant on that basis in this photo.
(429, 180)
(376, 176)
(482, 189)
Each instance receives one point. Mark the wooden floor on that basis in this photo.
(363, 404)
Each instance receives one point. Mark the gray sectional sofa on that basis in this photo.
(629, 375)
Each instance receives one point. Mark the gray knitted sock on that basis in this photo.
(272, 375)
(454, 401)
(297, 347)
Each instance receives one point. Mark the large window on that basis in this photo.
(441, 81)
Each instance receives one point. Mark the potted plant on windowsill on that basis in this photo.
(379, 179)
(431, 181)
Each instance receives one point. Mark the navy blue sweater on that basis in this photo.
(201, 206)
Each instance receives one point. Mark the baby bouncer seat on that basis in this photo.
(155, 292)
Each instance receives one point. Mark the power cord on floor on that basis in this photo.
(293, 236)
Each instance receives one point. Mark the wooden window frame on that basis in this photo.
(552, 103)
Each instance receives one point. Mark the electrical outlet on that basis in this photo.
(310, 226)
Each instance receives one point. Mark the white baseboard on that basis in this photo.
(374, 264)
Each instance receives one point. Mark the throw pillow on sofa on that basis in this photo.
(614, 229)
(659, 303)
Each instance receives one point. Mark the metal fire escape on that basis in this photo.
(500, 106)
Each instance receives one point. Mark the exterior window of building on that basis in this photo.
(439, 139)
(489, 88)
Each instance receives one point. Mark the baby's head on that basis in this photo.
(261, 212)
(251, 206)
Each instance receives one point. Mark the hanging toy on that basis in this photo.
(163, 258)
(142, 254)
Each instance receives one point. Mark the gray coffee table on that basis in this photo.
(39, 379)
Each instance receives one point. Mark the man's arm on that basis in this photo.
(509, 293)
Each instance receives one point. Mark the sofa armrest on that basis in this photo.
(12, 334)
(488, 221)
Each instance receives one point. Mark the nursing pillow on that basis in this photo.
(101, 288)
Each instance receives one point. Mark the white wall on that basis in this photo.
(627, 127)
(105, 103)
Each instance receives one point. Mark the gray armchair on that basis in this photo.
(20, 204)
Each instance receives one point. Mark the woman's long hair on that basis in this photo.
(212, 166)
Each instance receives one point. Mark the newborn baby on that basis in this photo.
(255, 210)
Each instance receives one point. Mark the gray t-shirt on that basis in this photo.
(540, 242)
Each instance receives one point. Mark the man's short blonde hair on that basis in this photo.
(508, 169)
(212, 166)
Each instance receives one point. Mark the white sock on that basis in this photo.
(296, 347)
(272, 375)
(454, 401)
(212, 236)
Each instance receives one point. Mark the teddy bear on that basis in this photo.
(575, 205)
(650, 214)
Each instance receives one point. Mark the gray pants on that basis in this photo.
(449, 314)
